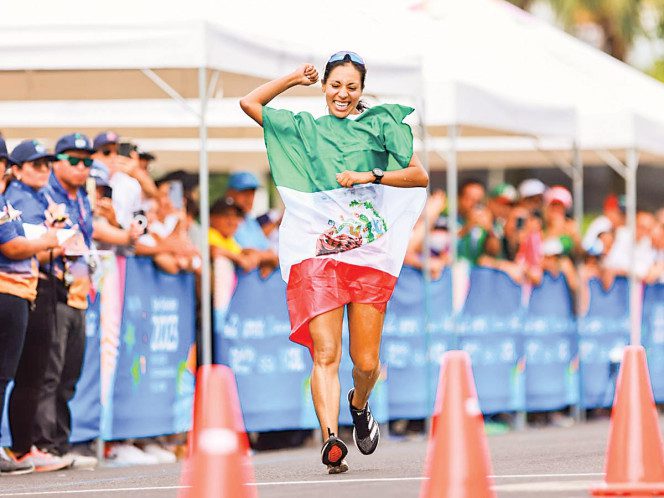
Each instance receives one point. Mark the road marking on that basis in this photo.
(539, 486)
(336, 480)
(545, 486)
(90, 491)
(528, 476)
(389, 479)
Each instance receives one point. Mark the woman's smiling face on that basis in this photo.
(343, 90)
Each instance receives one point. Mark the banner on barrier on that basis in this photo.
(272, 373)
(151, 391)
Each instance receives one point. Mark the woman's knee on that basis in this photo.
(366, 364)
(327, 355)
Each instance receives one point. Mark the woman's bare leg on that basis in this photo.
(366, 328)
(325, 331)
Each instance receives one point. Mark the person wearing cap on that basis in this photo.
(560, 237)
(18, 288)
(25, 193)
(618, 260)
(130, 183)
(5, 162)
(501, 200)
(70, 276)
(145, 159)
(612, 218)
(242, 188)
(225, 218)
(502, 240)
(107, 232)
(531, 194)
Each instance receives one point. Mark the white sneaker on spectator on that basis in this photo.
(82, 461)
(10, 467)
(43, 461)
(160, 452)
(128, 454)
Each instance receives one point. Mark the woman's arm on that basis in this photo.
(252, 104)
(414, 175)
(22, 248)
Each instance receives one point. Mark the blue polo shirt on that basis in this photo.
(80, 214)
(78, 209)
(250, 235)
(30, 202)
(18, 277)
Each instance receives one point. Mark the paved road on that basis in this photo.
(546, 463)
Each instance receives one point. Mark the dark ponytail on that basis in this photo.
(361, 68)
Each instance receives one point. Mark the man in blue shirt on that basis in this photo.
(52, 425)
(242, 189)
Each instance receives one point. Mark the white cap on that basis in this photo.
(531, 187)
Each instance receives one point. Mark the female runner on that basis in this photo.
(353, 190)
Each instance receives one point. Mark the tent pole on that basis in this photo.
(205, 357)
(634, 284)
(577, 180)
(452, 187)
(426, 260)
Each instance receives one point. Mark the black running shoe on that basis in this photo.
(333, 452)
(365, 431)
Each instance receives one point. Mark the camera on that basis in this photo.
(141, 219)
(126, 148)
(105, 192)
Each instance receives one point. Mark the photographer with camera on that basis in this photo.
(128, 183)
(108, 233)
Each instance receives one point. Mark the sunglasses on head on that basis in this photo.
(340, 56)
(74, 161)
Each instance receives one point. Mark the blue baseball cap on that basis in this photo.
(105, 138)
(243, 180)
(100, 173)
(3, 151)
(30, 150)
(74, 141)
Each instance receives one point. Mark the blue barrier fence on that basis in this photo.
(528, 354)
(146, 365)
(529, 350)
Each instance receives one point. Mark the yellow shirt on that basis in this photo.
(215, 239)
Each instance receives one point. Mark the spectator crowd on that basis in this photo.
(529, 230)
(61, 209)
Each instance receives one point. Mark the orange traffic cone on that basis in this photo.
(218, 465)
(458, 464)
(635, 454)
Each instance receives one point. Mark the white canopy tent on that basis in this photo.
(73, 49)
(619, 108)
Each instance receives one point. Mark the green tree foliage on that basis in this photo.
(620, 20)
(657, 70)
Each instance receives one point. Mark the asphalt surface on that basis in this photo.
(544, 462)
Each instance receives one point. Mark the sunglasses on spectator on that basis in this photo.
(339, 56)
(41, 164)
(74, 161)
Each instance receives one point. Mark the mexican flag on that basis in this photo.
(339, 244)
